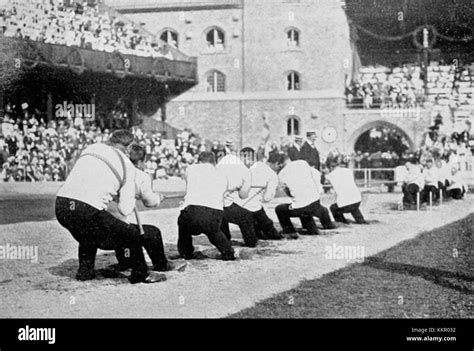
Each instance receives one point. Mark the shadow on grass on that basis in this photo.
(436, 276)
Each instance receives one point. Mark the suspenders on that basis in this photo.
(121, 180)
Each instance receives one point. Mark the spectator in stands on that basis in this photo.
(84, 26)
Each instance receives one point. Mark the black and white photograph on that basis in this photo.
(237, 159)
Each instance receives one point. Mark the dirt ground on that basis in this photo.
(207, 288)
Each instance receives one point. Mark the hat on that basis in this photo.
(298, 138)
(228, 143)
(310, 133)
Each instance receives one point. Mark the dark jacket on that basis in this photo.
(293, 153)
(310, 154)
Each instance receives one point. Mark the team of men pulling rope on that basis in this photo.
(231, 189)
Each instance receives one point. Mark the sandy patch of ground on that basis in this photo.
(207, 288)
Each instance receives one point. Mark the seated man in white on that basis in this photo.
(457, 187)
(431, 176)
(412, 183)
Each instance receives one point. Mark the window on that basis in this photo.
(293, 81)
(293, 38)
(293, 126)
(171, 37)
(215, 82)
(215, 40)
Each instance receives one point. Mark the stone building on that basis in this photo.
(285, 61)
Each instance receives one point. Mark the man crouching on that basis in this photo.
(151, 237)
(102, 172)
(203, 206)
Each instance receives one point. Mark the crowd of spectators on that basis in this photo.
(448, 87)
(379, 87)
(72, 24)
(33, 150)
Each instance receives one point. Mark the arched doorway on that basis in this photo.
(380, 136)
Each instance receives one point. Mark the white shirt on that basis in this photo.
(342, 180)
(444, 171)
(457, 182)
(414, 176)
(400, 173)
(238, 177)
(262, 176)
(144, 189)
(431, 176)
(92, 182)
(303, 181)
(205, 186)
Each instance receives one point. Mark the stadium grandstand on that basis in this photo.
(68, 54)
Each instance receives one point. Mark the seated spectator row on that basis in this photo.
(55, 22)
(447, 86)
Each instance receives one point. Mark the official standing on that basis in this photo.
(264, 185)
(294, 150)
(303, 185)
(348, 197)
(309, 152)
(239, 182)
(102, 172)
(202, 211)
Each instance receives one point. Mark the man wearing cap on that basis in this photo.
(264, 185)
(102, 172)
(303, 184)
(309, 152)
(294, 150)
(239, 182)
(228, 147)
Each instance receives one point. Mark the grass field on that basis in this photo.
(429, 276)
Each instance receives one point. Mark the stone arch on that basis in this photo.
(374, 124)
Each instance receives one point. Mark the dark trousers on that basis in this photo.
(94, 229)
(409, 193)
(153, 244)
(456, 194)
(353, 209)
(425, 194)
(244, 219)
(264, 227)
(284, 213)
(196, 220)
